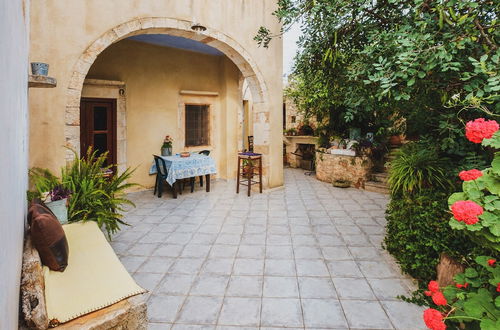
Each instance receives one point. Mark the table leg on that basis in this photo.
(260, 174)
(207, 183)
(238, 177)
(249, 177)
(174, 191)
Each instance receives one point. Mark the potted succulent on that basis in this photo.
(57, 201)
(166, 148)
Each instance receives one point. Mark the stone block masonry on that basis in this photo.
(331, 168)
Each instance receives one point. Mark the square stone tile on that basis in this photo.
(132, 263)
(404, 315)
(365, 253)
(180, 326)
(362, 314)
(156, 265)
(218, 266)
(159, 326)
(229, 239)
(164, 308)
(344, 268)
(307, 252)
(142, 249)
(279, 252)
(245, 286)
(251, 251)
(223, 251)
(323, 313)
(281, 312)
(240, 312)
(195, 251)
(187, 266)
(179, 238)
(306, 267)
(353, 288)
(248, 266)
(374, 269)
(336, 253)
(210, 285)
(388, 289)
(279, 267)
(200, 310)
(176, 284)
(148, 281)
(168, 250)
(280, 287)
(356, 240)
(316, 287)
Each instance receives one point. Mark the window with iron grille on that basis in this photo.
(197, 125)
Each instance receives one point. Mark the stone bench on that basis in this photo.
(130, 313)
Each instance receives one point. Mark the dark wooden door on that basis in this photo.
(98, 127)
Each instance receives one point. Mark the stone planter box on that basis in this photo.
(331, 167)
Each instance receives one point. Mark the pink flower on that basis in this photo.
(466, 211)
(439, 299)
(433, 286)
(480, 129)
(470, 175)
(433, 319)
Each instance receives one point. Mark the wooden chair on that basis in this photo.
(206, 153)
(161, 176)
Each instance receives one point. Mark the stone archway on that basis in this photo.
(182, 28)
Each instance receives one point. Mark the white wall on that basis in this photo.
(13, 152)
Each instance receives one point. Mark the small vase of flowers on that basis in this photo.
(166, 148)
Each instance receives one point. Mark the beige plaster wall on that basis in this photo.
(14, 29)
(154, 78)
(63, 31)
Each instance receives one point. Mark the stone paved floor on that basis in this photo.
(306, 256)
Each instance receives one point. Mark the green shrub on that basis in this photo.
(418, 232)
(93, 197)
(417, 167)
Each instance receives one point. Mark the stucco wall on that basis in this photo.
(62, 45)
(13, 152)
(154, 77)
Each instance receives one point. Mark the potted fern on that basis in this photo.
(94, 197)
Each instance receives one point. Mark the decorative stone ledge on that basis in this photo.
(36, 81)
(331, 168)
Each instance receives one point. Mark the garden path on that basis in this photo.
(307, 256)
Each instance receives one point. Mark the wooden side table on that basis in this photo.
(249, 165)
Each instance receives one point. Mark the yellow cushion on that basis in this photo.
(94, 278)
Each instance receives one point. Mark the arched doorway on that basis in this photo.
(159, 25)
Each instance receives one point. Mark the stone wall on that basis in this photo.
(338, 167)
(14, 25)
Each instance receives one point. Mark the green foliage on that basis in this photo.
(434, 63)
(484, 191)
(94, 197)
(478, 304)
(417, 167)
(418, 232)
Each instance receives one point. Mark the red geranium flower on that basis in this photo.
(470, 175)
(466, 211)
(465, 285)
(439, 299)
(498, 287)
(428, 293)
(491, 262)
(433, 319)
(480, 129)
(433, 286)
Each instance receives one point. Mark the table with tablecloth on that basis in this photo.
(186, 167)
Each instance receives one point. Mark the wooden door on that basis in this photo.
(98, 127)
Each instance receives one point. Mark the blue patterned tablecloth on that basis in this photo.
(186, 167)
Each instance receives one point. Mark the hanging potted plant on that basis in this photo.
(166, 148)
(248, 168)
